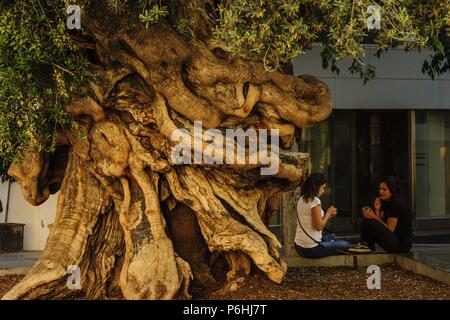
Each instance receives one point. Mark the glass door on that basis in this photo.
(354, 149)
(341, 170)
(382, 149)
(432, 187)
(330, 145)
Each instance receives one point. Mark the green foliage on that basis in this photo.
(280, 30)
(277, 30)
(39, 71)
(152, 11)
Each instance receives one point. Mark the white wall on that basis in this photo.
(37, 220)
(399, 82)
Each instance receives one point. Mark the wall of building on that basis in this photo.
(399, 83)
(38, 220)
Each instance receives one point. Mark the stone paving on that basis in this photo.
(17, 262)
(434, 255)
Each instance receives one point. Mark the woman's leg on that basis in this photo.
(310, 253)
(387, 240)
(367, 234)
(324, 249)
(334, 247)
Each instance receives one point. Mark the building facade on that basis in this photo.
(397, 124)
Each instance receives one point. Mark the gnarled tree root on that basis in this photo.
(91, 239)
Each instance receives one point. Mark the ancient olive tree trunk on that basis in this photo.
(128, 214)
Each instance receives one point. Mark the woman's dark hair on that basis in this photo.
(393, 186)
(311, 186)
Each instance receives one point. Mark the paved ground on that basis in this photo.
(22, 259)
(434, 255)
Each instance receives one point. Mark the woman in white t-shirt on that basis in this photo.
(309, 242)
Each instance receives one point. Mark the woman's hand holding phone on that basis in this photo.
(368, 213)
(331, 212)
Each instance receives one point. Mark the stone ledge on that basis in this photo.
(361, 260)
(421, 268)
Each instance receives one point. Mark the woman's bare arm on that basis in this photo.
(318, 221)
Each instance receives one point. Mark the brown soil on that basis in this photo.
(335, 283)
(7, 282)
(315, 283)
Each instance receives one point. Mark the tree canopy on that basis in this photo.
(42, 67)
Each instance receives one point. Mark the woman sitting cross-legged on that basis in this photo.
(310, 242)
(390, 225)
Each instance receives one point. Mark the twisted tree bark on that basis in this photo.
(129, 216)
